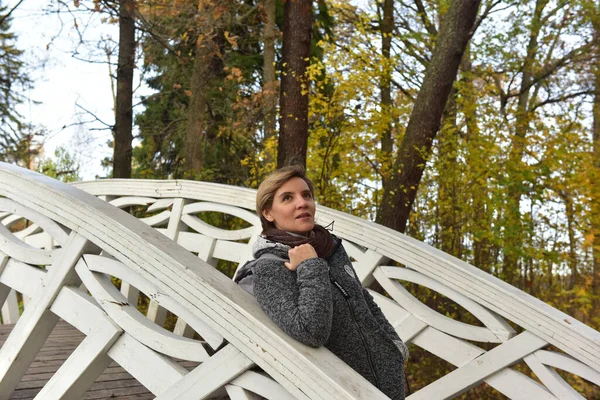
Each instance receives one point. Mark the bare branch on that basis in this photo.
(426, 22)
(366, 157)
(96, 119)
(4, 17)
(562, 98)
(488, 10)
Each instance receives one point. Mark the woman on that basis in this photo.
(304, 281)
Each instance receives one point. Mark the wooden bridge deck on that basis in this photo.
(114, 383)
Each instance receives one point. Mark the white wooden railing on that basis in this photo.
(82, 241)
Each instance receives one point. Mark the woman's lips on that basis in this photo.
(303, 216)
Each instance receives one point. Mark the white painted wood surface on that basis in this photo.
(32, 329)
(142, 253)
(203, 292)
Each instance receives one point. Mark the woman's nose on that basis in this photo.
(302, 203)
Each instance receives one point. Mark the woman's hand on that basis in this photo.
(299, 254)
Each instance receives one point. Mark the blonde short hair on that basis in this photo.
(272, 183)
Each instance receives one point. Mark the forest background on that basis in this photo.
(474, 127)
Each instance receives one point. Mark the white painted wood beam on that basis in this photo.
(87, 362)
(262, 385)
(133, 322)
(153, 370)
(114, 268)
(238, 393)
(10, 308)
(462, 379)
(211, 375)
(498, 326)
(552, 380)
(36, 323)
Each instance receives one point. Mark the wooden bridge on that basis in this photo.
(78, 264)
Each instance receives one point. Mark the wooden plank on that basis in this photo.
(432, 317)
(552, 380)
(173, 229)
(120, 391)
(205, 292)
(83, 366)
(569, 364)
(210, 376)
(22, 277)
(56, 231)
(131, 293)
(114, 381)
(238, 393)
(262, 385)
(571, 336)
(10, 309)
(16, 248)
(153, 370)
(175, 225)
(34, 327)
(156, 313)
(496, 325)
(471, 374)
(115, 268)
(128, 317)
(232, 314)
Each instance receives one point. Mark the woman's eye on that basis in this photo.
(286, 198)
(307, 196)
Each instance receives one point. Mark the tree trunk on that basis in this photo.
(195, 133)
(196, 120)
(513, 235)
(424, 123)
(293, 135)
(572, 260)
(596, 162)
(269, 80)
(449, 200)
(477, 170)
(124, 112)
(387, 140)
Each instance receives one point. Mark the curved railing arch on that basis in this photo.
(211, 305)
(206, 294)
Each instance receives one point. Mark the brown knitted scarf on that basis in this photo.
(319, 238)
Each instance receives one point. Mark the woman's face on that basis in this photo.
(293, 208)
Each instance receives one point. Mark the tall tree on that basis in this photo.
(203, 60)
(514, 232)
(455, 31)
(596, 161)
(545, 57)
(63, 166)
(386, 25)
(269, 79)
(122, 153)
(293, 134)
(477, 169)
(14, 136)
(449, 196)
(205, 51)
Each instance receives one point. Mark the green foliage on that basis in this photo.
(63, 167)
(509, 186)
(231, 92)
(15, 136)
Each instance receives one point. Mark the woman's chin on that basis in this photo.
(304, 228)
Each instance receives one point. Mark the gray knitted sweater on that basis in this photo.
(322, 303)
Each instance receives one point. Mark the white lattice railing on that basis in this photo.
(83, 242)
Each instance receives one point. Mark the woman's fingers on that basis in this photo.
(299, 254)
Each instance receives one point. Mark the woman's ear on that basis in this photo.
(267, 215)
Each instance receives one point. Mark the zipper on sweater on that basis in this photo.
(362, 336)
